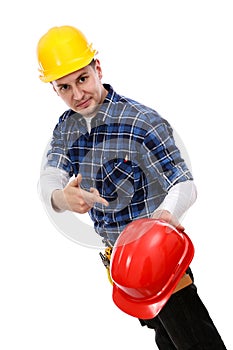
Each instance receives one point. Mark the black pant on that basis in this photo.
(185, 324)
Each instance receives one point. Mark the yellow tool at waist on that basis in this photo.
(106, 261)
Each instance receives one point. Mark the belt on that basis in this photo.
(185, 281)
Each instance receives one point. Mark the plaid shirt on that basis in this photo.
(129, 155)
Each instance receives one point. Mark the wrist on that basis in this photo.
(163, 214)
(58, 201)
(167, 216)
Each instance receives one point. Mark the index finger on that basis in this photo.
(98, 199)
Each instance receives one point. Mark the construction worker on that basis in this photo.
(116, 159)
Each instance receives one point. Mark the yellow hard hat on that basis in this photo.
(61, 51)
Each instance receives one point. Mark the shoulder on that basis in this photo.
(142, 115)
(67, 121)
(126, 108)
(68, 113)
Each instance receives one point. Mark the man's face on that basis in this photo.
(82, 90)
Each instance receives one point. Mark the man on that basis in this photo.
(125, 166)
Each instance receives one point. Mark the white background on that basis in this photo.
(175, 56)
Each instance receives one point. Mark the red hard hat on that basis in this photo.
(148, 260)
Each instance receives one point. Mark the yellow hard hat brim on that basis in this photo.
(62, 71)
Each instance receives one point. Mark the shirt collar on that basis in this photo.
(107, 108)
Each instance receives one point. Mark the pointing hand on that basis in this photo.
(75, 199)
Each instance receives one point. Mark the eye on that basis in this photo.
(64, 87)
(82, 79)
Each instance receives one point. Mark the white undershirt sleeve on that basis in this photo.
(179, 198)
(51, 179)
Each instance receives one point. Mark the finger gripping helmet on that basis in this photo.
(148, 260)
(61, 51)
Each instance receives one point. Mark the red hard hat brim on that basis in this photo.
(149, 308)
(143, 310)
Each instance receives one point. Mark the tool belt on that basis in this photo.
(185, 281)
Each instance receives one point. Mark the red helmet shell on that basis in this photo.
(148, 260)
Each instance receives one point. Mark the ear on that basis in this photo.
(54, 88)
(98, 69)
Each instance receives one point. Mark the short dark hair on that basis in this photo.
(92, 63)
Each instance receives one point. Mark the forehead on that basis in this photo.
(69, 78)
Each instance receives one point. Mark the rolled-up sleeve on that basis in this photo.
(162, 158)
(58, 153)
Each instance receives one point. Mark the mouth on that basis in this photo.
(84, 104)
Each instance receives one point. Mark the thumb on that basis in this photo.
(77, 181)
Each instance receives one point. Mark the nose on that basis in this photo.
(77, 93)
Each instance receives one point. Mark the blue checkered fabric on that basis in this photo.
(129, 155)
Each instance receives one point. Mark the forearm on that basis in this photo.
(51, 180)
(58, 201)
(179, 199)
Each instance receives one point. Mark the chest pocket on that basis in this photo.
(115, 180)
